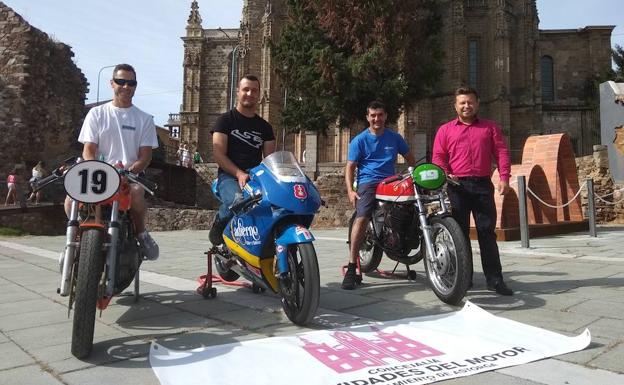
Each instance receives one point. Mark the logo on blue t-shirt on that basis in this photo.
(125, 127)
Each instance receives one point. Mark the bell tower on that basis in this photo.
(190, 110)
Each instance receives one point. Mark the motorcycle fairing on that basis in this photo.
(294, 234)
(265, 265)
(249, 231)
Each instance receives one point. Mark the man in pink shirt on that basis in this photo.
(466, 148)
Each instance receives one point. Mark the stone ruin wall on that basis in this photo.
(42, 94)
(596, 167)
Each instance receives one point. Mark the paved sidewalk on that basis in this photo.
(563, 283)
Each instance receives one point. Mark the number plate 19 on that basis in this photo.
(92, 181)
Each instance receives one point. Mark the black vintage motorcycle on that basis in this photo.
(102, 255)
(411, 222)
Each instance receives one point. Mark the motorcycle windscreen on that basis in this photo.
(285, 184)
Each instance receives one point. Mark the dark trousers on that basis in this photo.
(476, 196)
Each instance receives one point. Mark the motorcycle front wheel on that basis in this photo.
(448, 273)
(370, 253)
(300, 289)
(90, 266)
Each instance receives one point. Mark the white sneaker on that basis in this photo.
(149, 246)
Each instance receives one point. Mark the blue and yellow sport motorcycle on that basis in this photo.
(268, 241)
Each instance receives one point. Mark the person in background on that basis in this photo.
(12, 181)
(197, 158)
(38, 172)
(465, 148)
(185, 155)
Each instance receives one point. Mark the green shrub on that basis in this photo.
(10, 232)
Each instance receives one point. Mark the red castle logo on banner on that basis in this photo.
(354, 353)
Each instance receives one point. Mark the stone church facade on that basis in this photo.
(531, 81)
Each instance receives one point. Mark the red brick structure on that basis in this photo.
(548, 163)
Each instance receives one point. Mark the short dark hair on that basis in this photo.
(124, 67)
(250, 77)
(375, 105)
(466, 90)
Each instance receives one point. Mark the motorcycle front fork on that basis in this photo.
(69, 253)
(425, 228)
(111, 255)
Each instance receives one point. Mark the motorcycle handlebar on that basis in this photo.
(147, 184)
(452, 181)
(239, 206)
(394, 178)
(45, 181)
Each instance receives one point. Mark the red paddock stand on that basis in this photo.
(206, 281)
(410, 274)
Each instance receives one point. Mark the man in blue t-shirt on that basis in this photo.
(374, 152)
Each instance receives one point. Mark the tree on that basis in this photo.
(334, 57)
(618, 58)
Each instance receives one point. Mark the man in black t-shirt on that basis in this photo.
(240, 139)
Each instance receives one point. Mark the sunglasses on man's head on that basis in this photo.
(123, 82)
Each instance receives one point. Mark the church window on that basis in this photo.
(548, 84)
(473, 62)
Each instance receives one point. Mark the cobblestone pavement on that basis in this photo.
(563, 283)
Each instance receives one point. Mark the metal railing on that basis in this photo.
(523, 189)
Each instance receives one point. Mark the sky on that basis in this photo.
(146, 34)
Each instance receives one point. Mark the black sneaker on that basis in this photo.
(350, 279)
(499, 287)
(216, 231)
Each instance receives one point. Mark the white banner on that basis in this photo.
(410, 351)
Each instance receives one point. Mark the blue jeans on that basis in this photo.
(229, 192)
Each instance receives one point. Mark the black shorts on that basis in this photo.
(366, 204)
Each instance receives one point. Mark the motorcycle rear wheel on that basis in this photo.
(449, 274)
(300, 289)
(90, 266)
(370, 253)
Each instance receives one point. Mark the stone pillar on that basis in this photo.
(311, 154)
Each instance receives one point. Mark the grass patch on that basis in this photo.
(10, 232)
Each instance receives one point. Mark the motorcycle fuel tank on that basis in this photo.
(393, 190)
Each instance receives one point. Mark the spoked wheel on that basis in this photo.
(300, 289)
(90, 266)
(225, 273)
(449, 272)
(370, 254)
